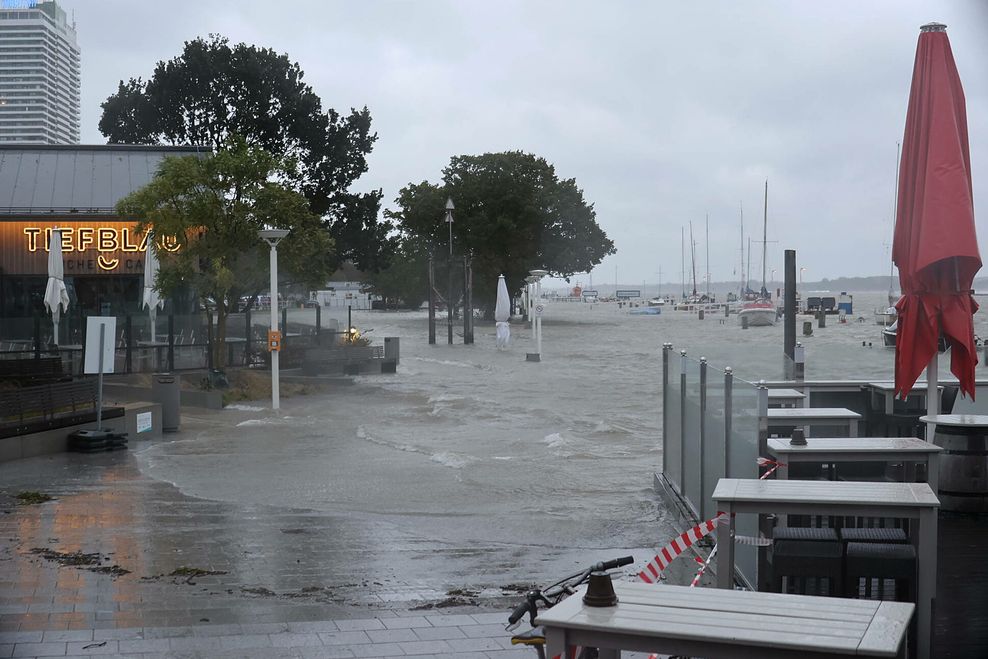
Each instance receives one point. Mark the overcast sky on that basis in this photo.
(663, 112)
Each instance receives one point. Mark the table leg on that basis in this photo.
(608, 653)
(927, 581)
(909, 471)
(725, 551)
(555, 642)
(933, 472)
(853, 429)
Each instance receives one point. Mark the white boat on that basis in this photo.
(885, 317)
(757, 313)
(657, 302)
(760, 312)
(888, 334)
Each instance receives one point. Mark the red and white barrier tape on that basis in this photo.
(671, 551)
(765, 462)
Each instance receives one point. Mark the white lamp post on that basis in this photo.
(535, 288)
(272, 237)
(449, 273)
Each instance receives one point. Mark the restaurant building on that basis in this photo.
(75, 188)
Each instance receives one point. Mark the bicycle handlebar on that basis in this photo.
(519, 611)
(617, 562)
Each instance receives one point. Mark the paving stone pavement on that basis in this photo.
(118, 564)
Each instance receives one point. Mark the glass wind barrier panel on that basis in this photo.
(742, 455)
(672, 440)
(691, 436)
(714, 442)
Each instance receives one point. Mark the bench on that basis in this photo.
(339, 358)
(49, 406)
(31, 371)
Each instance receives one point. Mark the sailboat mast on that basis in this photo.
(693, 257)
(895, 211)
(741, 271)
(765, 240)
(682, 257)
(747, 279)
(708, 254)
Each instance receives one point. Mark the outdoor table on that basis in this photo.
(852, 499)
(886, 391)
(716, 624)
(786, 398)
(807, 416)
(827, 450)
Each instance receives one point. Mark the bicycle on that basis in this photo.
(549, 597)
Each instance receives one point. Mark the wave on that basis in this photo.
(244, 408)
(257, 422)
(444, 458)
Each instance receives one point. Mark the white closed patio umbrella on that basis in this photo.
(56, 297)
(502, 312)
(152, 299)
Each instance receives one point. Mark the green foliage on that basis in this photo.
(213, 91)
(216, 205)
(404, 283)
(512, 213)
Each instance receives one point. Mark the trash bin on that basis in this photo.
(166, 391)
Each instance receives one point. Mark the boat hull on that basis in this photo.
(757, 317)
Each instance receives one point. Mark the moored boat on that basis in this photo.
(757, 313)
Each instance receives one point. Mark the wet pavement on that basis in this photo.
(121, 564)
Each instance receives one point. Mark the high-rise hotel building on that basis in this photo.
(39, 74)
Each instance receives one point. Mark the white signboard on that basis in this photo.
(539, 308)
(143, 422)
(93, 324)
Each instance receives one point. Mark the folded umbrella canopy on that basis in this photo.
(152, 300)
(935, 245)
(502, 312)
(56, 297)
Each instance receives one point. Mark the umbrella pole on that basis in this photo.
(152, 314)
(54, 323)
(932, 393)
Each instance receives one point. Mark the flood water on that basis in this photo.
(467, 448)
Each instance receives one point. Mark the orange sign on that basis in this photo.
(274, 340)
(88, 248)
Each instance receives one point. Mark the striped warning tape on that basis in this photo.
(677, 546)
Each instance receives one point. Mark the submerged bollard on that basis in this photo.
(807, 328)
(701, 314)
(821, 318)
(744, 322)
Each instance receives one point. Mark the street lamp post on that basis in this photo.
(449, 273)
(272, 237)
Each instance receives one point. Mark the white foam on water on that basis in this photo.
(245, 408)
(452, 460)
(257, 422)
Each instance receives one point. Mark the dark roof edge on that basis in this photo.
(106, 147)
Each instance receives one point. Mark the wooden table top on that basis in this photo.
(794, 622)
(825, 492)
(852, 445)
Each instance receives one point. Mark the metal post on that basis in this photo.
(432, 303)
(728, 421)
(763, 571)
(129, 334)
(209, 341)
(284, 323)
(682, 423)
(318, 324)
(666, 349)
(703, 431)
(99, 402)
(467, 300)
(171, 343)
(275, 385)
(790, 313)
(249, 335)
(449, 274)
(933, 393)
(37, 337)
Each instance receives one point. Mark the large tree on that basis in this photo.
(214, 90)
(215, 205)
(512, 213)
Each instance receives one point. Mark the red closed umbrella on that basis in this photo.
(935, 246)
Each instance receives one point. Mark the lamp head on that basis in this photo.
(272, 236)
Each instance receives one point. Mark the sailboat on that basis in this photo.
(760, 312)
(886, 317)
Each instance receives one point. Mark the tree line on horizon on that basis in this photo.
(279, 158)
